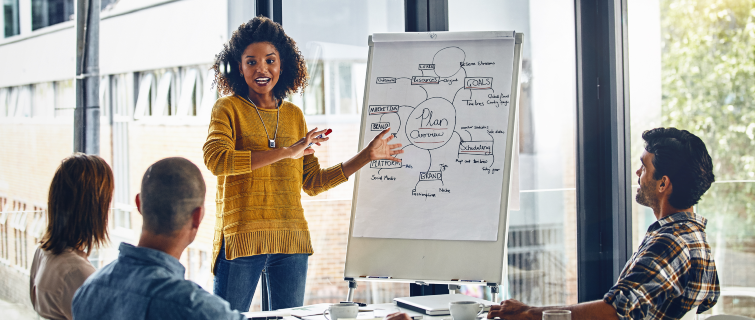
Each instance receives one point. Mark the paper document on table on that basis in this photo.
(310, 310)
(360, 316)
(262, 314)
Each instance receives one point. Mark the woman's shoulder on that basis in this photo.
(227, 101)
(67, 266)
(70, 259)
(289, 107)
(226, 107)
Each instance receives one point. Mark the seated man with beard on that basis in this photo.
(673, 270)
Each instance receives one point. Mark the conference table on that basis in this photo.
(369, 312)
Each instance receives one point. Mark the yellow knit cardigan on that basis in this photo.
(259, 211)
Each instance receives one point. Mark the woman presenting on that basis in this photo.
(258, 147)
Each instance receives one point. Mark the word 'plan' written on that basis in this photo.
(448, 103)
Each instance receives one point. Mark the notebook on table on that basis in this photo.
(436, 305)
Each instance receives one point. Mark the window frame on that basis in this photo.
(604, 212)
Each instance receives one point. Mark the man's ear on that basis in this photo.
(196, 217)
(138, 203)
(665, 184)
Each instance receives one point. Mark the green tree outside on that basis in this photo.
(708, 86)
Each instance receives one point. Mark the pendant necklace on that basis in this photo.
(270, 142)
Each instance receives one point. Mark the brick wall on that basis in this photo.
(14, 285)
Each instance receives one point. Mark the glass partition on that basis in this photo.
(332, 36)
(691, 66)
(542, 252)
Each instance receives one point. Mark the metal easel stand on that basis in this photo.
(494, 289)
(352, 287)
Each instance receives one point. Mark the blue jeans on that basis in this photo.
(284, 277)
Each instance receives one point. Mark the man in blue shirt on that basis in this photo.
(147, 281)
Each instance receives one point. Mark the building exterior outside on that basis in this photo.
(156, 94)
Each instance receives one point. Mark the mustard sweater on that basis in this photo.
(259, 211)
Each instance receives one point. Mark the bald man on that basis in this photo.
(147, 281)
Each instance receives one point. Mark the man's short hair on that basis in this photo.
(171, 189)
(682, 157)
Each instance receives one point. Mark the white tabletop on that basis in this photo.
(371, 311)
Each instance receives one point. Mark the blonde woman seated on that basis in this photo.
(77, 215)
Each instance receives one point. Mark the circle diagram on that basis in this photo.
(431, 124)
(447, 61)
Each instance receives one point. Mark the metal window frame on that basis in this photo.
(425, 15)
(86, 119)
(604, 220)
(272, 9)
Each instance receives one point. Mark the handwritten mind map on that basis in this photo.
(447, 103)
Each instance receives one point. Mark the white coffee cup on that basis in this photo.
(342, 310)
(465, 310)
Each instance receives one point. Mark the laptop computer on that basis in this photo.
(436, 305)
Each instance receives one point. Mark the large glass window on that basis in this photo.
(542, 252)
(332, 36)
(49, 12)
(11, 24)
(65, 98)
(692, 66)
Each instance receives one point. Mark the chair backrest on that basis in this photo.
(690, 315)
(728, 317)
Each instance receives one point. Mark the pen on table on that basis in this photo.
(322, 135)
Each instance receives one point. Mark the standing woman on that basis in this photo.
(77, 215)
(257, 146)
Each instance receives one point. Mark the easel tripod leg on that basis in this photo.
(352, 287)
(494, 290)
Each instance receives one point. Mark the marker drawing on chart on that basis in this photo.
(431, 124)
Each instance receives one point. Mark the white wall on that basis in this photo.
(175, 34)
(171, 34)
(47, 57)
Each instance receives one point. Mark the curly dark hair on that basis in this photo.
(260, 29)
(682, 157)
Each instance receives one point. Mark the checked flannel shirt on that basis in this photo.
(672, 272)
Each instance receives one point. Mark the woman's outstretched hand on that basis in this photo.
(300, 149)
(379, 149)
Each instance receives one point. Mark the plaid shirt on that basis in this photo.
(672, 272)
